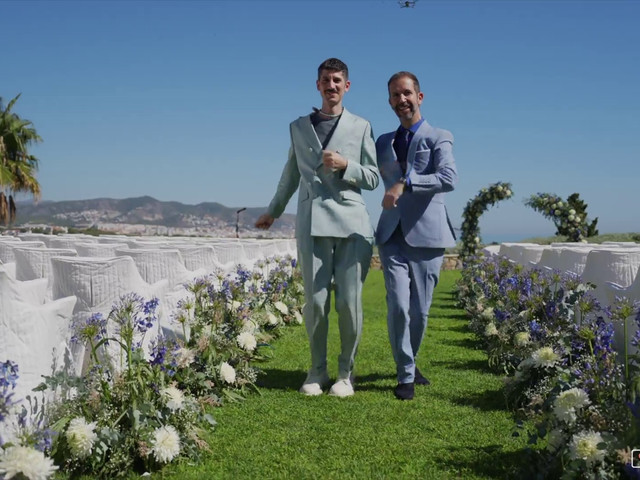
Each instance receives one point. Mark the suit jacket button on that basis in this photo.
(311, 149)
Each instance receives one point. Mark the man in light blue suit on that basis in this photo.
(331, 159)
(417, 167)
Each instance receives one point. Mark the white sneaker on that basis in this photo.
(342, 388)
(314, 384)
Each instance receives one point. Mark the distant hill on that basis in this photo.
(146, 213)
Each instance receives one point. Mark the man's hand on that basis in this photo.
(391, 196)
(333, 160)
(264, 221)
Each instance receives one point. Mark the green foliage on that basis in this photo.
(475, 207)
(569, 217)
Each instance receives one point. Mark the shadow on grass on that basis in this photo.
(486, 461)
(277, 379)
(467, 343)
(486, 401)
(480, 365)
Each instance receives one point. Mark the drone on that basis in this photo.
(407, 3)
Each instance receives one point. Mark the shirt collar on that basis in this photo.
(413, 128)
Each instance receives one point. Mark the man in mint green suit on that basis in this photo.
(331, 159)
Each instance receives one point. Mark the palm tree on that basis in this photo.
(17, 166)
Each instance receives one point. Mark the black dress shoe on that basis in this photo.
(404, 391)
(421, 379)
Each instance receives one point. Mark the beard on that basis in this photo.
(402, 113)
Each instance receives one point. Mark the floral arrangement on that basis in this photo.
(569, 217)
(554, 343)
(137, 408)
(475, 207)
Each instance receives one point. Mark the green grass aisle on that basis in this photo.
(455, 428)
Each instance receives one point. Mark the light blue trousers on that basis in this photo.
(346, 261)
(410, 276)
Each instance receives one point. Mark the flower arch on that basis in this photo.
(569, 217)
(487, 197)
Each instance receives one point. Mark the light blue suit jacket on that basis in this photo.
(329, 203)
(431, 171)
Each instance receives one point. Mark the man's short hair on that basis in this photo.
(334, 64)
(403, 74)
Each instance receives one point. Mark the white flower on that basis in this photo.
(571, 218)
(249, 326)
(185, 357)
(572, 212)
(173, 397)
(522, 338)
(577, 218)
(545, 357)
(499, 188)
(560, 204)
(236, 305)
(247, 341)
(166, 444)
(487, 314)
(298, 317)
(27, 461)
(476, 239)
(585, 446)
(555, 439)
(272, 319)
(490, 329)
(508, 193)
(227, 372)
(282, 308)
(569, 402)
(81, 437)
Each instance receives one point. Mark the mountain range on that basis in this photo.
(146, 214)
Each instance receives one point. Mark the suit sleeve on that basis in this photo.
(364, 174)
(445, 176)
(288, 184)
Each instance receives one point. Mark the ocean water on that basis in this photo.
(508, 237)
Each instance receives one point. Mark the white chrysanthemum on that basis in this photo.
(555, 440)
(568, 403)
(27, 461)
(490, 330)
(173, 397)
(166, 444)
(522, 338)
(247, 341)
(298, 317)
(228, 373)
(249, 326)
(272, 319)
(545, 357)
(281, 307)
(487, 314)
(185, 357)
(585, 446)
(81, 436)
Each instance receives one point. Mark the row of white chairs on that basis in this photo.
(46, 285)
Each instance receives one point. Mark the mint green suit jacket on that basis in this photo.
(329, 203)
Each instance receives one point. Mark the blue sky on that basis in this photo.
(191, 101)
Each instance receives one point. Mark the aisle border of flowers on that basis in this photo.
(140, 408)
(554, 343)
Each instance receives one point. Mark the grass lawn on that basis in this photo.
(455, 428)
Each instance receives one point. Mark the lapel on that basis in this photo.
(422, 132)
(308, 133)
